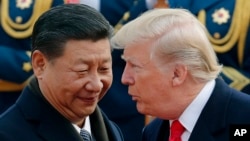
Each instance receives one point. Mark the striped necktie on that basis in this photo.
(85, 135)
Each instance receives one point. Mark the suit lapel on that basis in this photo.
(212, 120)
(58, 129)
(45, 120)
(97, 122)
(201, 132)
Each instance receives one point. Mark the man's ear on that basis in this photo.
(180, 74)
(38, 62)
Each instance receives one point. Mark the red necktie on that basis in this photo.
(176, 131)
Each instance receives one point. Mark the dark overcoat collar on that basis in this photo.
(49, 123)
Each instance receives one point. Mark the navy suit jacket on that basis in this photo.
(225, 107)
(32, 118)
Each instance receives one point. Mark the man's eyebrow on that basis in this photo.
(130, 59)
(86, 61)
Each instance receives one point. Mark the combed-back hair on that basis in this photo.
(177, 34)
(68, 22)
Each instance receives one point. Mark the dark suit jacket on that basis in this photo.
(225, 107)
(32, 118)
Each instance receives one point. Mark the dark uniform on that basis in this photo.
(227, 22)
(17, 20)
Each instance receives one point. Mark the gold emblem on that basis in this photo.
(28, 53)
(217, 35)
(221, 16)
(22, 4)
(19, 19)
(27, 66)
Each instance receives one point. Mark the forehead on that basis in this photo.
(87, 49)
(138, 51)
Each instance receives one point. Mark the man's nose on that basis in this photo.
(95, 84)
(127, 77)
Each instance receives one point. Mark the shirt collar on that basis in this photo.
(191, 114)
(86, 126)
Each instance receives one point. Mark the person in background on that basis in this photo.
(17, 20)
(72, 64)
(228, 23)
(117, 104)
(172, 73)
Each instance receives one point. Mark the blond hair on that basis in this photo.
(177, 33)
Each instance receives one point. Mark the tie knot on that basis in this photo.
(176, 131)
(85, 135)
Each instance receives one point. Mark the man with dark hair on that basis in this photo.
(71, 59)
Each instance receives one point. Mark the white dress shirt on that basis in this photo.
(86, 126)
(191, 114)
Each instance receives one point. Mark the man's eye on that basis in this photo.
(104, 69)
(82, 71)
(135, 66)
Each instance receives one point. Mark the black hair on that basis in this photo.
(66, 22)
